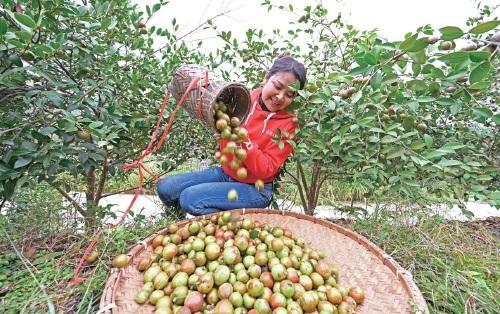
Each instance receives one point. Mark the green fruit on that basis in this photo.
(155, 296)
(142, 297)
(179, 295)
(232, 195)
(120, 261)
(92, 257)
(160, 281)
(151, 273)
(194, 227)
(242, 173)
(83, 135)
(221, 275)
(255, 287)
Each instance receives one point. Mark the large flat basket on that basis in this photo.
(389, 288)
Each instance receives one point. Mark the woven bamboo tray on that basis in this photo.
(388, 287)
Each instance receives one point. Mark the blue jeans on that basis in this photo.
(205, 192)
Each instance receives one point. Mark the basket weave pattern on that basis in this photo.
(235, 95)
(388, 287)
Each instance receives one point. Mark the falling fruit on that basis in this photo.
(232, 195)
(242, 173)
(259, 185)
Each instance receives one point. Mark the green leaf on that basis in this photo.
(482, 112)
(425, 99)
(480, 85)
(455, 108)
(418, 45)
(454, 57)
(394, 153)
(25, 20)
(484, 27)
(417, 85)
(445, 101)
(449, 162)
(356, 97)
(376, 81)
(21, 162)
(435, 154)
(496, 118)
(156, 7)
(370, 58)
(47, 130)
(148, 10)
(106, 22)
(95, 124)
(480, 72)
(419, 56)
(388, 139)
(3, 26)
(478, 56)
(428, 140)
(409, 123)
(450, 32)
(408, 42)
(453, 146)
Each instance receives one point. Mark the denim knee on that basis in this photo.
(165, 191)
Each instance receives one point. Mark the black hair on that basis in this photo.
(287, 63)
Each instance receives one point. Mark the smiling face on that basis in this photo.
(276, 94)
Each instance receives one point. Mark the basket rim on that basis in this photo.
(403, 276)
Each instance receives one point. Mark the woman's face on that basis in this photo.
(276, 94)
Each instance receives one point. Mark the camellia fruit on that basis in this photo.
(232, 195)
(120, 261)
(92, 257)
(235, 122)
(241, 154)
(357, 294)
(242, 173)
(259, 185)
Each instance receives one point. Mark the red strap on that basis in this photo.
(138, 163)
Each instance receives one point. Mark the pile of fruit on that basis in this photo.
(227, 265)
(229, 129)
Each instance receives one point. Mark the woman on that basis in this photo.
(205, 192)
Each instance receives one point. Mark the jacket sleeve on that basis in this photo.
(265, 163)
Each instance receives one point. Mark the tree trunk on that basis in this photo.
(309, 193)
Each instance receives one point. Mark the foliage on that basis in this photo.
(417, 118)
(80, 88)
(48, 247)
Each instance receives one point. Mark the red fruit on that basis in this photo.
(194, 301)
(357, 294)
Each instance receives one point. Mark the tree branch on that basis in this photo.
(102, 179)
(77, 206)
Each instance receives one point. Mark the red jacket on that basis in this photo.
(264, 156)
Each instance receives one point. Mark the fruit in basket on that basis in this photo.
(226, 265)
(144, 263)
(357, 294)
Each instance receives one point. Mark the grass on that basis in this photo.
(456, 265)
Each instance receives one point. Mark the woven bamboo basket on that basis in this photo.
(388, 287)
(233, 94)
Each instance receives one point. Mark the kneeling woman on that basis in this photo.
(205, 192)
